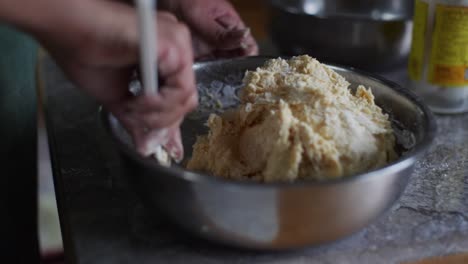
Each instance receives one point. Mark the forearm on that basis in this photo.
(24, 14)
(37, 17)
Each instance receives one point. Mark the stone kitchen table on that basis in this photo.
(103, 221)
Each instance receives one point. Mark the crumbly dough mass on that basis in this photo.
(297, 120)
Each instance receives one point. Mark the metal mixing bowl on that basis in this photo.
(278, 215)
(369, 34)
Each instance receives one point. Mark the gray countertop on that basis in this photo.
(103, 220)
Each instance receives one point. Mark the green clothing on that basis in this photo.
(18, 135)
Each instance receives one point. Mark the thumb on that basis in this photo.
(174, 145)
(215, 21)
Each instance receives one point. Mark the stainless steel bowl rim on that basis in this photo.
(277, 4)
(401, 162)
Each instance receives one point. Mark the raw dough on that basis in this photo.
(297, 120)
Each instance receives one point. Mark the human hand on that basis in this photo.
(97, 45)
(217, 30)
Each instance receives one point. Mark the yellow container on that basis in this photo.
(438, 63)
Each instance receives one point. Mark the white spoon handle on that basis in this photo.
(148, 45)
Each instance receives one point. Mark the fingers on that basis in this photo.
(213, 20)
(175, 57)
(149, 132)
(153, 120)
(174, 145)
(167, 16)
(159, 111)
(149, 142)
(218, 29)
(249, 46)
(205, 51)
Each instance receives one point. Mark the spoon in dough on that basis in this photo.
(148, 61)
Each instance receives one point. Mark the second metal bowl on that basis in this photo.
(369, 34)
(278, 215)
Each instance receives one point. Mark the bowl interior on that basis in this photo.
(381, 10)
(219, 82)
